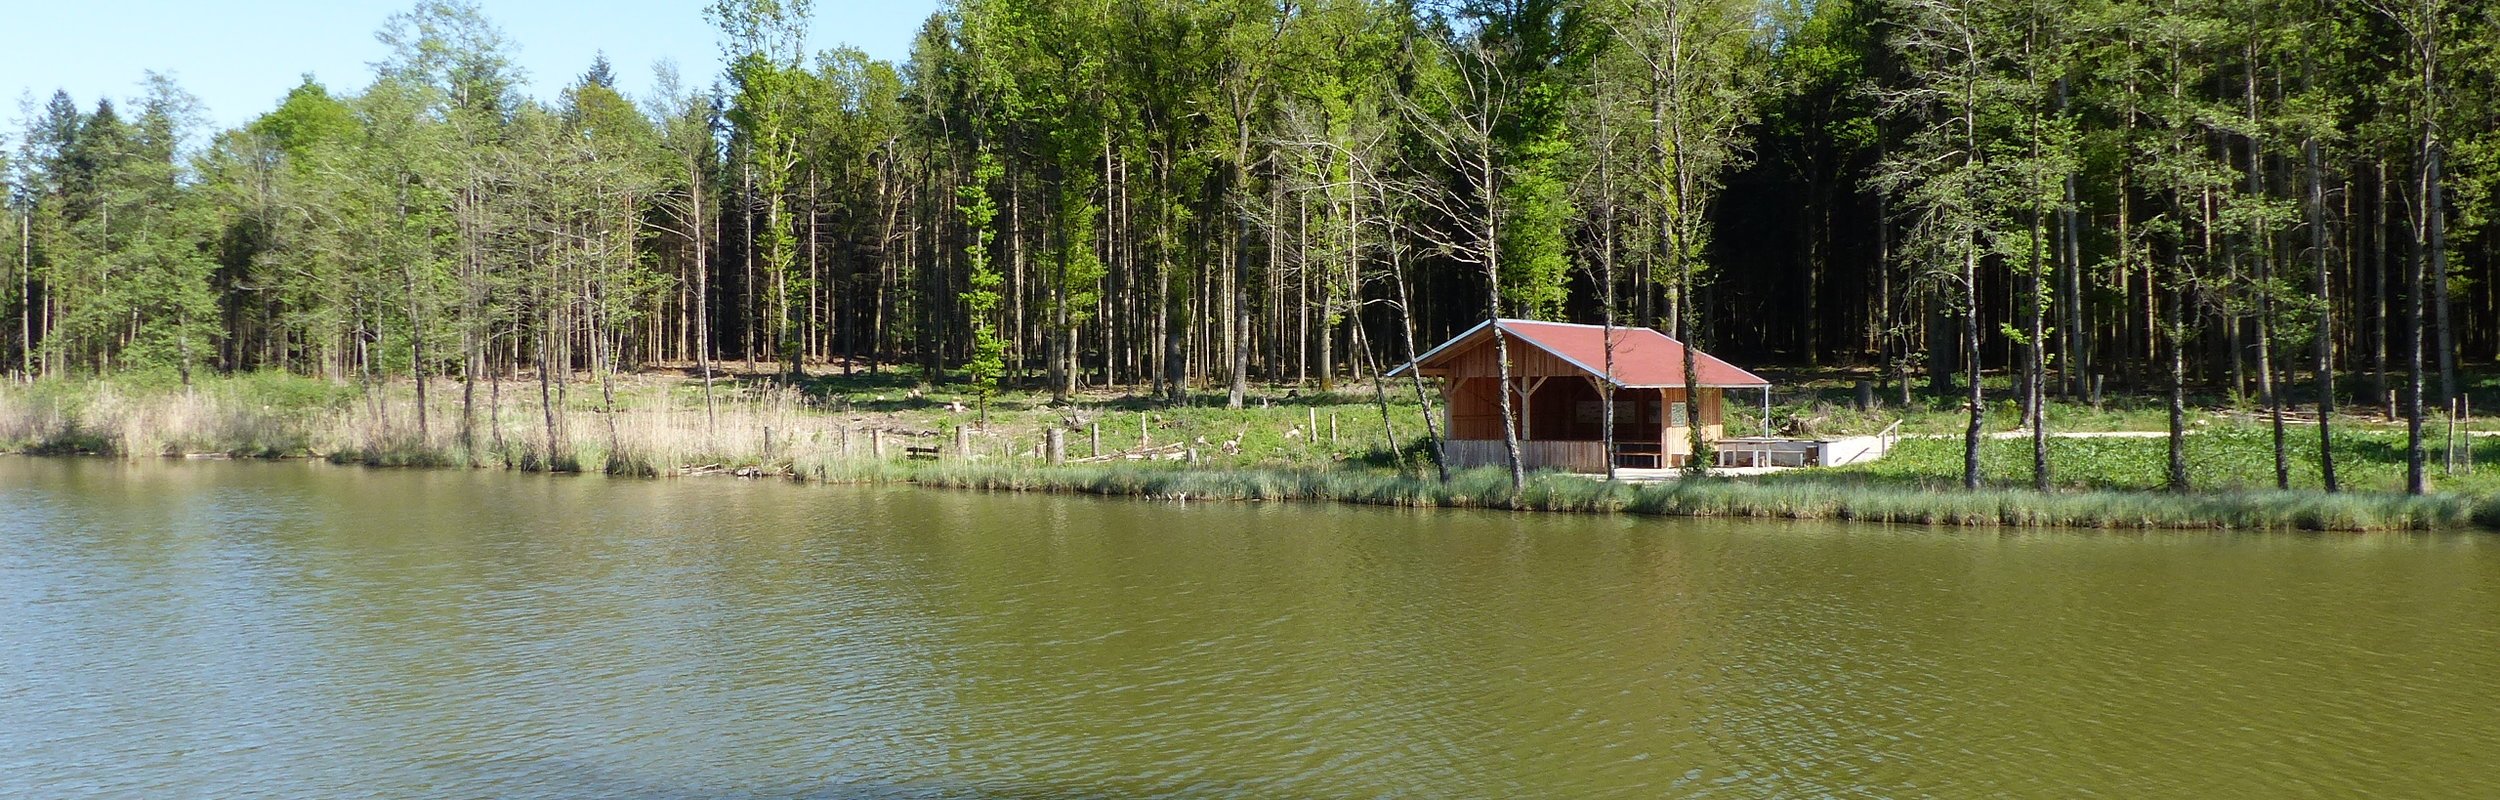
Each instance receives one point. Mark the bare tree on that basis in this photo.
(1458, 127)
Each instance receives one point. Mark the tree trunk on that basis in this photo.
(2037, 384)
(2382, 393)
(2323, 360)
(2434, 209)
(1976, 400)
(2173, 332)
(2414, 335)
(1406, 326)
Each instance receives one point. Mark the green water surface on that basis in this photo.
(174, 629)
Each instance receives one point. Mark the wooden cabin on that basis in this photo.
(1556, 371)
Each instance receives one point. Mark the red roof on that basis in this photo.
(1644, 358)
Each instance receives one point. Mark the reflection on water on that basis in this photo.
(297, 630)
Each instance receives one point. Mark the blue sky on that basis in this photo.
(241, 57)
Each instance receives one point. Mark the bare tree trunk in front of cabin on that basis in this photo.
(1606, 280)
(1606, 384)
(1697, 455)
(1510, 413)
(1493, 309)
(1465, 144)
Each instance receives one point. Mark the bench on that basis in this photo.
(1640, 455)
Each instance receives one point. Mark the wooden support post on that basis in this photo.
(876, 444)
(2461, 435)
(1866, 395)
(1095, 450)
(1055, 446)
(963, 441)
(1527, 391)
(1527, 425)
(1332, 429)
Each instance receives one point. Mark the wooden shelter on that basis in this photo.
(1557, 379)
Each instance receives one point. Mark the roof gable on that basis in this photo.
(1644, 358)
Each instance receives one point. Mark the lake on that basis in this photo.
(173, 629)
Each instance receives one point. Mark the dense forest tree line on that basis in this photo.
(2288, 201)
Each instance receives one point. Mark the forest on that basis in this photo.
(2286, 203)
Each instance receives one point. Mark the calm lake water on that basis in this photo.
(299, 630)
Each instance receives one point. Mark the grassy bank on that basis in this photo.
(1725, 497)
(1279, 448)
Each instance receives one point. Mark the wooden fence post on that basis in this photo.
(1055, 446)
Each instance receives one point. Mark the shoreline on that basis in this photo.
(1551, 493)
(1281, 453)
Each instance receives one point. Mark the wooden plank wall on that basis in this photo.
(1475, 410)
(1567, 456)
